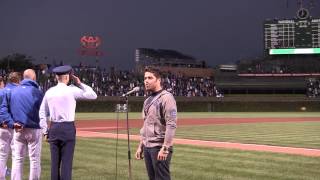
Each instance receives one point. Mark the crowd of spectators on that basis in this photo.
(313, 88)
(281, 65)
(116, 83)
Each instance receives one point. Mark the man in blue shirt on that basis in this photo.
(23, 109)
(6, 127)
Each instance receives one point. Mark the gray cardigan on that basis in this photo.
(160, 120)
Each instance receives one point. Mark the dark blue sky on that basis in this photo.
(215, 31)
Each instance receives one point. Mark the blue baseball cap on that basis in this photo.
(60, 70)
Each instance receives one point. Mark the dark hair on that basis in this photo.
(14, 77)
(155, 71)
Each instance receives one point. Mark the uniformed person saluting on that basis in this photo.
(59, 103)
(160, 123)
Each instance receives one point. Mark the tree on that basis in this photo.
(16, 62)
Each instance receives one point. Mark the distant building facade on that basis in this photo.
(171, 61)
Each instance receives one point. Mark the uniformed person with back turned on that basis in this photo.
(59, 104)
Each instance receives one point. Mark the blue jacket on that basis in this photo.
(25, 103)
(4, 95)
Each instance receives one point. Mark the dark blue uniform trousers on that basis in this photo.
(157, 170)
(62, 138)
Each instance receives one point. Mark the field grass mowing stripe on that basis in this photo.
(243, 155)
(281, 134)
(240, 167)
(94, 159)
(181, 115)
(269, 161)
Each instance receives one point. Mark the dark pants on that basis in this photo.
(62, 139)
(157, 170)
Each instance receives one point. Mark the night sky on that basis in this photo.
(218, 32)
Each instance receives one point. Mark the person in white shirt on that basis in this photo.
(59, 104)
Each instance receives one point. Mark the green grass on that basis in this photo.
(95, 159)
(291, 134)
(137, 115)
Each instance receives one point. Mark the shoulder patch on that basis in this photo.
(173, 113)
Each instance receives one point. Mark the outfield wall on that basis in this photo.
(233, 83)
(234, 103)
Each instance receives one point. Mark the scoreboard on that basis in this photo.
(292, 33)
(295, 36)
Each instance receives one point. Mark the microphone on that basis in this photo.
(135, 89)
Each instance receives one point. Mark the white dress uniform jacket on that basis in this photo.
(59, 102)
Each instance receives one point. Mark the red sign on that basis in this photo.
(90, 42)
(89, 45)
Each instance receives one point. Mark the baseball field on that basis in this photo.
(208, 146)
